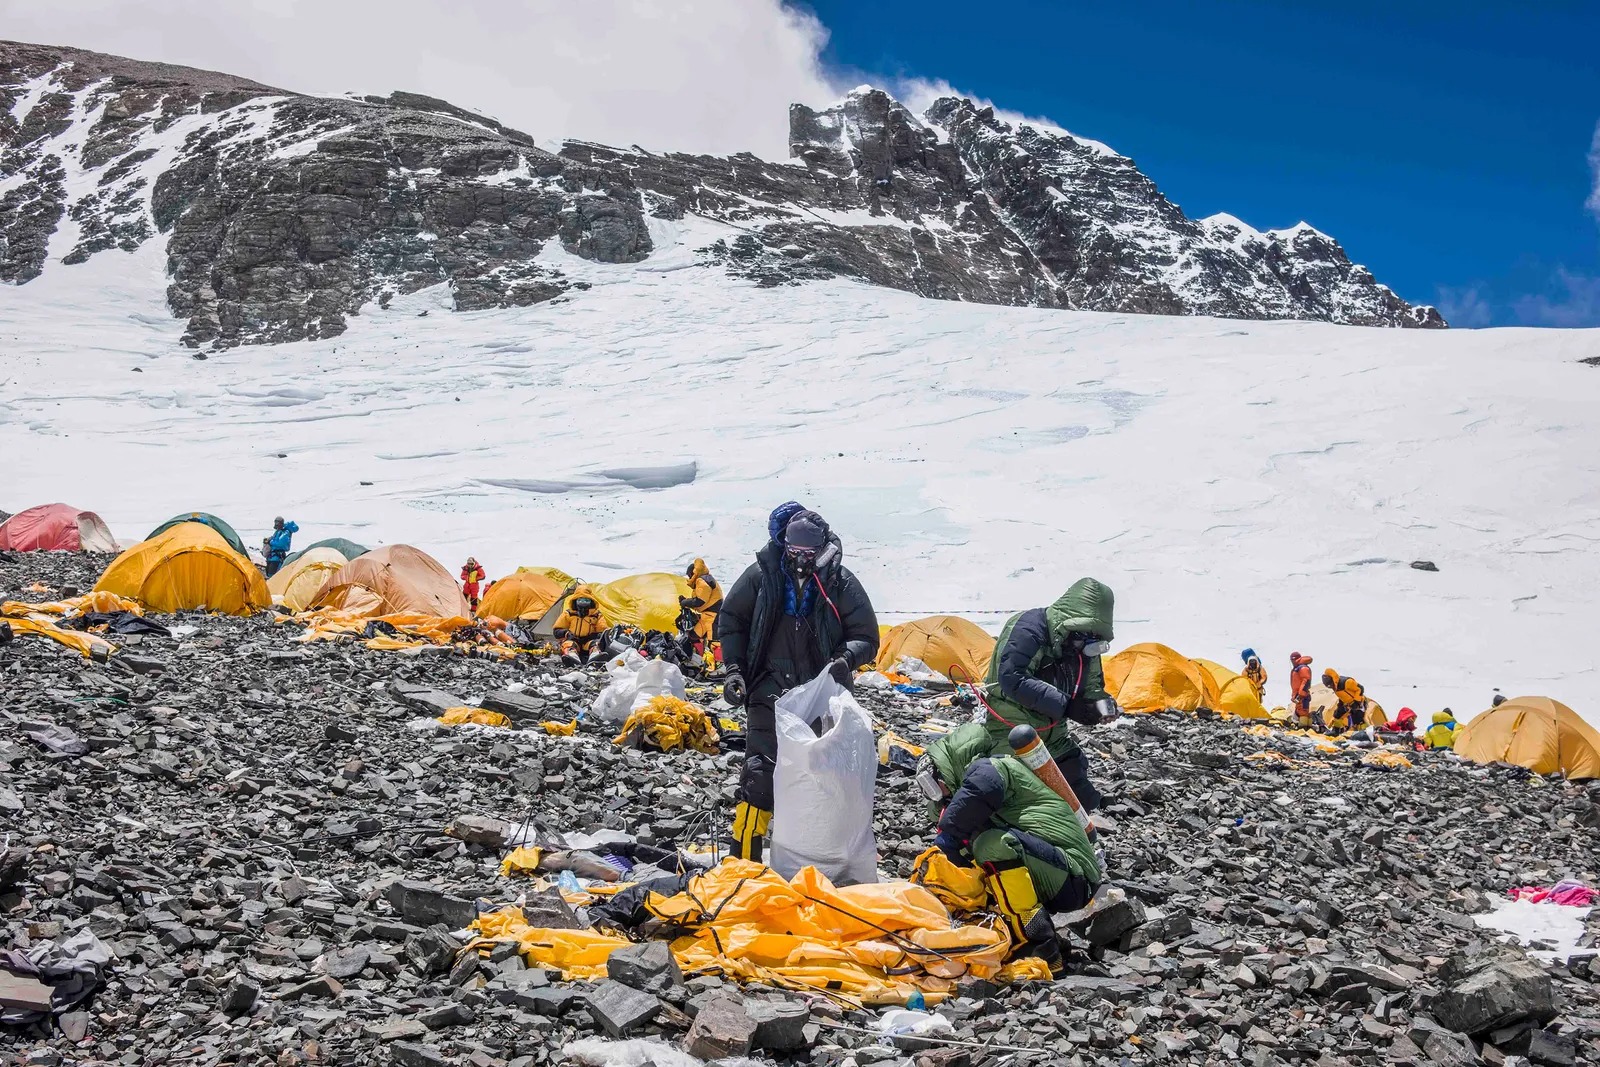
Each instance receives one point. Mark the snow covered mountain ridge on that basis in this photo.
(283, 214)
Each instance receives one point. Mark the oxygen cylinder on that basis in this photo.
(1031, 750)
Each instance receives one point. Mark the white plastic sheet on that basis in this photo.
(823, 785)
(635, 681)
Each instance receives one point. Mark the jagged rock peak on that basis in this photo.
(280, 215)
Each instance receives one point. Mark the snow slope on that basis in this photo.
(1237, 483)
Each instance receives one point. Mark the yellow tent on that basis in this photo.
(298, 582)
(1150, 677)
(1235, 695)
(527, 594)
(951, 645)
(555, 574)
(185, 567)
(391, 580)
(1541, 734)
(648, 601)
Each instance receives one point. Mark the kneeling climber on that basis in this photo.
(794, 613)
(997, 814)
(1046, 670)
(579, 626)
(1441, 733)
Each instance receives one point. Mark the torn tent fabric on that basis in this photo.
(40, 620)
(868, 944)
(475, 716)
(328, 624)
(669, 724)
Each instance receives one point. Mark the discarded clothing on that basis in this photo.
(1566, 892)
(73, 968)
(116, 622)
(56, 738)
(1383, 758)
(668, 724)
(560, 729)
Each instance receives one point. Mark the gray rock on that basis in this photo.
(433, 951)
(410, 1054)
(240, 998)
(423, 904)
(1496, 989)
(721, 1028)
(1552, 1049)
(781, 1025)
(620, 1009)
(649, 966)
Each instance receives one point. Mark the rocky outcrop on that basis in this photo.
(282, 214)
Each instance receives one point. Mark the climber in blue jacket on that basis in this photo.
(278, 544)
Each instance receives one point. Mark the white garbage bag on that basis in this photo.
(635, 681)
(824, 783)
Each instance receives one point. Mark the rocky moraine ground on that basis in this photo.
(242, 806)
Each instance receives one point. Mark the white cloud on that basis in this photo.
(1593, 203)
(689, 75)
(1465, 306)
(1576, 304)
(918, 94)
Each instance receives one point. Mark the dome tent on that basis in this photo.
(204, 519)
(56, 528)
(648, 601)
(1538, 733)
(298, 581)
(1152, 677)
(1235, 695)
(393, 579)
(347, 549)
(951, 645)
(187, 567)
(527, 594)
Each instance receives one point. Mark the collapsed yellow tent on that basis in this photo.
(1235, 695)
(298, 582)
(392, 580)
(1150, 677)
(951, 645)
(553, 573)
(648, 601)
(527, 594)
(185, 567)
(1539, 733)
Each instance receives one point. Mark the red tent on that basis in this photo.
(56, 528)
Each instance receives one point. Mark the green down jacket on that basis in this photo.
(1037, 676)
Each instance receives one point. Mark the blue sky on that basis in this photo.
(1446, 145)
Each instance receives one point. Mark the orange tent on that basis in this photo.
(527, 594)
(1541, 734)
(951, 645)
(189, 566)
(393, 579)
(1152, 677)
(56, 528)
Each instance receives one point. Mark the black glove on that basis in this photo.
(842, 672)
(946, 842)
(733, 690)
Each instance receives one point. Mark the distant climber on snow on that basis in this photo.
(1300, 689)
(1442, 732)
(472, 577)
(795, 612)
(1255, 673)
(1351, 713)
(704, 588)
(579, 626)
(277, 546)
(995, 813)
(1046, 670)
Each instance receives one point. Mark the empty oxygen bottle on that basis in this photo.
(1031, 750)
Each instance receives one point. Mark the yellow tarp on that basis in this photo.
(327, 624)
(1384, 758)
(1151, 677)
(189, 566)
(951, 645)
(670, 724)
(1236, 697)
(648, 601)
(527, 594)
(1539, 733)
(477, 716)
(297, 583)
(78, 605)
(745, 922)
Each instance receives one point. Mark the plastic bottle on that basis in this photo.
(915, 1001)
(568, 883)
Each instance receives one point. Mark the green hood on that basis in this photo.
(1085, 608)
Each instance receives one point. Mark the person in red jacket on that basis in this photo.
(471, 577)
(1300, 688)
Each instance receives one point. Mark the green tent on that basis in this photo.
(204, 519)
(348, 549)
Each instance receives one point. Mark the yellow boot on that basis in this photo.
(1011, 887)
(750, 825)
